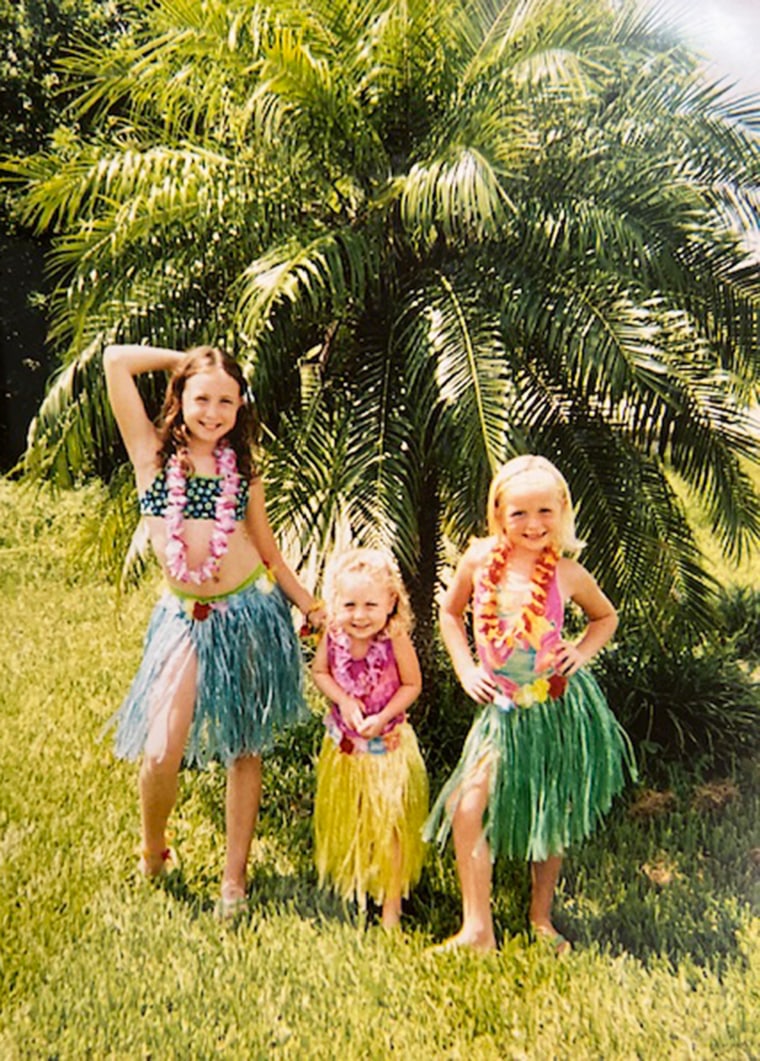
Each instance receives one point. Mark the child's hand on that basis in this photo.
(370, 727)
(314, 619)
(567, 658)
(317, 616)
(352, 712)
(478, 683)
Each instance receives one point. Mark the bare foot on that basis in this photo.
(153, 866)
(233, 902)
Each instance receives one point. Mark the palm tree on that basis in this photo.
(438, 234)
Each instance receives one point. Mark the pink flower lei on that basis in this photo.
(224, 517)
(361, 684)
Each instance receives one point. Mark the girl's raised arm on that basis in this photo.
(122, 363)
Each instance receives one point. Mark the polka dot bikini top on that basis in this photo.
(202, 494)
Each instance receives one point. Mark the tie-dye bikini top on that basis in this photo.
(516, 636)
(202, 494)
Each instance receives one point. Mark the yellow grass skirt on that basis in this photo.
(365, 804)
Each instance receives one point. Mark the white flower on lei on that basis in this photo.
(265, 583)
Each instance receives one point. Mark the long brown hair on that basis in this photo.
(172, 431)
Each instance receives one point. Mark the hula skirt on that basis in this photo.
(241, 651)
(365, 805)
(553, 770)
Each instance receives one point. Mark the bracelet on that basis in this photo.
(315, 607)
(309, 633)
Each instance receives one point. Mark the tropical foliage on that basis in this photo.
(438, 234)
(39, 33)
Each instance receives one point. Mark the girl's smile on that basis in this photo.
(531, 517)
(362, 606)
(210, 403)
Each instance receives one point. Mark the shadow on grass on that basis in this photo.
(673, 922)
(676, 886)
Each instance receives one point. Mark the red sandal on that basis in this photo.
(167, 864)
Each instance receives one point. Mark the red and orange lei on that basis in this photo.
(499, 633)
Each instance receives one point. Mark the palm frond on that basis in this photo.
(319, 466)
(386, 434)
(329, 271)
(163, 182)
(646, 369)
(504, 225)
(456, 364)
(640, 545)
(74, 423)
(537, 41)
(461, 196)
(327, 113)
(111, 538)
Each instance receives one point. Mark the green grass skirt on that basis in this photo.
(553, 770)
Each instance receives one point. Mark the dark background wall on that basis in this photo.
(24, 363)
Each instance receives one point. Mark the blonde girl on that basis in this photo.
(372, 790)
(545, 757)
(221, 668)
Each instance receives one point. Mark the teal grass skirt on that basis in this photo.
(553, 770)
(241, 653)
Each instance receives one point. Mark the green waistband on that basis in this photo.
(255, 575)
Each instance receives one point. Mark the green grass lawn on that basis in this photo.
(663, 905)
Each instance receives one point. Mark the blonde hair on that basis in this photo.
(377, 565)
(520, 470)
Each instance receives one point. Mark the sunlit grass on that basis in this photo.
(663, 905)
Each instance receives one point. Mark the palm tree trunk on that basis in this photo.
(423, 584)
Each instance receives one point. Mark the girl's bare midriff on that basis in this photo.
(241, 558)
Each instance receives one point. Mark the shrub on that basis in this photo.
(694, 704)
(739, 612)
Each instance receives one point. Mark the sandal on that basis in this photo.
(168, 864)
(457, 945)
(231, 907)
(553, 941)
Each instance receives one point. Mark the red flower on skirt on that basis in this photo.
(557, 685)
(346, 745)
(201, 610)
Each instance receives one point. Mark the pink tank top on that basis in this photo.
(525, 674)
(373, 679)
